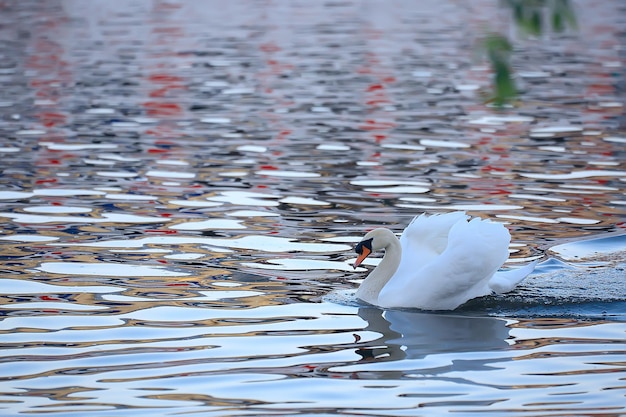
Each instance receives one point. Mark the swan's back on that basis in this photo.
(446, 261)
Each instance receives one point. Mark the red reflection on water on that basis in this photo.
(164, 79)
(161, 231)
(159, 109)
(269, 47)
(376, 125)
(50, 119)
(46, 181)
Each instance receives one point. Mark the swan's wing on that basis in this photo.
(504, 281)
(474, 252)
(426, 237)
(430, 232)
(422, 241)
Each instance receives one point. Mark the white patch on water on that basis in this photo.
(53, 146)
(172, 162)
(403, 147)
(252, 213)
(616, 139)
(416, 200)
(533, 74)
(29, 238)
(100, 110)
(432, 143)
(107, 269)
(261, 243)
(386, 183)
(216, 120)
(57, 209)
(106, 218)
(65, 192)
(238, 90)
(252, 148)
(332, 147)
(210, 224)
(536, 197)
(557, 129)
(246, 198)
(577, 220)
(287, 174)
(145, 120)
(294, 264)
(303, 201)
(185, 256)
(234, 174)
(194, 203)
(526, 218)
(399, 189)
(469, 207)
(117, 157)
(101, 162)
(31, 132)
(135, 197)
(170, 174)
(61, 305)
(117, 174)
(20, 286)
(574, 175)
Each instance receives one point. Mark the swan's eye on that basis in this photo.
(363, 244)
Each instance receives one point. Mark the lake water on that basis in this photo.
(183, 184)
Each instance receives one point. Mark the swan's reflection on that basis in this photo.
(414, 335)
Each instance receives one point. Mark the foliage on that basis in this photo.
(498, 49)
(531, 17)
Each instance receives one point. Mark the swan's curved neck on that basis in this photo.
(370, 287)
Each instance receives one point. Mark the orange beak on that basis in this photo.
(366, 252)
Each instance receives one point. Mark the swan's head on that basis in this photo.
(375, 240)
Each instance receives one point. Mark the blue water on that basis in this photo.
(183, 185)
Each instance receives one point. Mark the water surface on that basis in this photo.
(183, 184)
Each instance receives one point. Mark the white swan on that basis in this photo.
(440, 262)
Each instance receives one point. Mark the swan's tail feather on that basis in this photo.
(504, 281)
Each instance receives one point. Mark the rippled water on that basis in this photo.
(183, 183)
